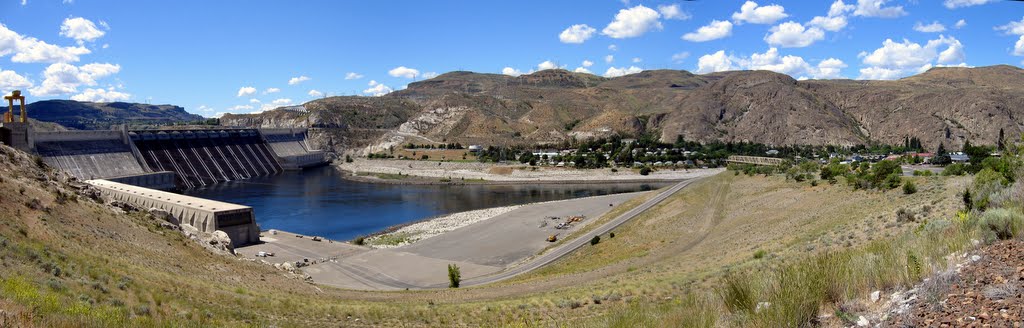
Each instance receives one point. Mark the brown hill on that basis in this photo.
(947, 105)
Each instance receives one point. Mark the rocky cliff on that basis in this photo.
(942, 105)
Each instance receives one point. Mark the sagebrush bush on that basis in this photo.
(1001, 223)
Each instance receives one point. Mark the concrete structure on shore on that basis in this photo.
(206, 215)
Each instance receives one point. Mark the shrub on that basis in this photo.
(454, 276)
(954, 169)
(1001, 223)
(909, 187)
(645, 171)
(595, 240)
(348, 158)
(611, 235)
(359, 241)
(759, 254)
(425, 157)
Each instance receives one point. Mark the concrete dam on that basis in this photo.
(138, 166)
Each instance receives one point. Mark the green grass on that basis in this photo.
(391, 239)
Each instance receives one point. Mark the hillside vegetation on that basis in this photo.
(942, 105)
(70, 261)
(100, 116)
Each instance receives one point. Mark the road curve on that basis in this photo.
(579, 241)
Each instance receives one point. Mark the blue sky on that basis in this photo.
(214, 57)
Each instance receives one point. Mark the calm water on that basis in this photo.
(319, 202)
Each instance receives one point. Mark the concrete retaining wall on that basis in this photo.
(206, 215)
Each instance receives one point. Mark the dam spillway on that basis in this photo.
(203, 158)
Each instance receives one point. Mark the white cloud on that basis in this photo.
(609, 59)
(577, 34)
(673, 12)
(353, 76)
(793, 35)
(679, 57)
(836, 18)
(280, 102)
(511, 71)
(63, 78)
(1013, 27)
(1018, 49)
(582, 70)
(101, 95)
(613, 47)
(934, 27)
(204, 108)
(32, 50)
(715, 62)
(876, 8)
(830, 69)
(899, 59)
(254, 100)
(633, 22)
(238, 108)
(245, 91)
(11, 80)
(430, 75)
(960, 24)
(953, 4)
(315, 93)
(297, 80)
(637, 60)
(771, 60)
(713, 31)
(547, 64)
(587, 63)
(616, 72)
(377, 89)
(80, 29)
(750, 12)
(271, 90)
(402, 71)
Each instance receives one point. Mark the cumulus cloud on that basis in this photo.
(934, 27)
(587, 63)
(637, 59)
(679, 57)
(254, 100)
(633, 22)
(713, 31)
(353, 76)
(582, 70)
(835, 20)
(430, 75)
(31, 50)
(80, 29)
(315, 93)
(716, 62)
(511, 71)
(547, 64)
(63, 78)
(101, 95)
(609, 59)
(953, 4)
(752, 13)
(613, 47)
(793, 35)
(235, 108)
(960, 24)
(245, 91)
(899, 59)
(298, 79)
(877, 8)
(271, 90)
(11, 80)
(616, 72)
(771, 60)
(577, 34)
(402, 71)
(1013, 27)
(377, 89)
(280, 102)
(673, 12)
(1018, 49)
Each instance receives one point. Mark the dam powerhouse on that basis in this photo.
(140, 166)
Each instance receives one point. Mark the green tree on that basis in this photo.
(941, 156)
(595, 240)
(454, 276)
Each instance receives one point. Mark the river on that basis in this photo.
(320, 202)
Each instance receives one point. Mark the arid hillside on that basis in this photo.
(942, 105)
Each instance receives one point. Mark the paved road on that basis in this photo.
(575, 244)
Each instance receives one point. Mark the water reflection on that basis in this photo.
(320, 202)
